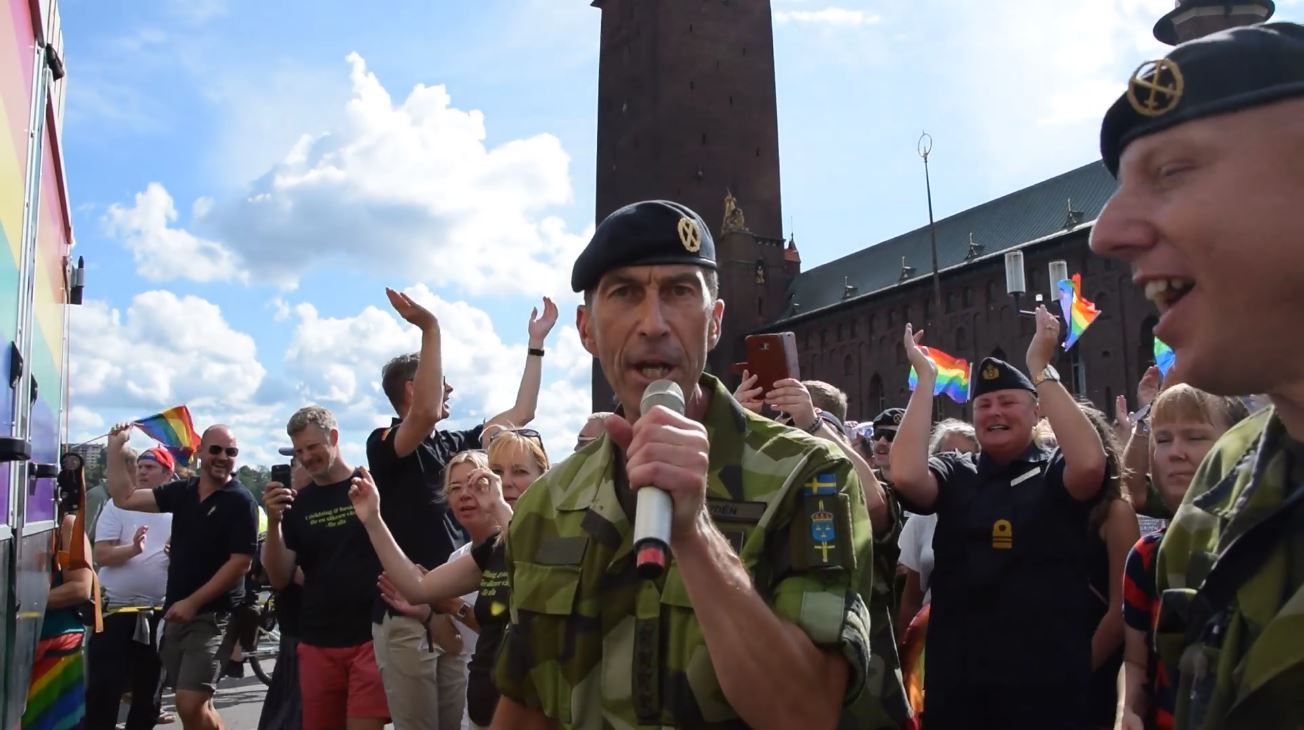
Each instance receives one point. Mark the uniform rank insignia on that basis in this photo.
(1002, 535)
(821, 542)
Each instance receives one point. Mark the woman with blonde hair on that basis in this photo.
(1183, 425)
(481, 489)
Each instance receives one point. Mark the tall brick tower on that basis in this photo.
(687, 112)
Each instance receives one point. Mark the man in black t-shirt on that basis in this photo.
(407, 462)
(214, 536)
(317, 530)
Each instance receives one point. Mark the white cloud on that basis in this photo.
(393, 188)
(280, 309)
(164, 253)
(831, 16)
(164, 350)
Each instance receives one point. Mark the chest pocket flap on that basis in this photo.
(546, 589)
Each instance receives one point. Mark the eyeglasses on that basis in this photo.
(528, 433)
(231, 451)
(885, 434)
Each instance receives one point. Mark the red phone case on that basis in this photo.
(772, 357)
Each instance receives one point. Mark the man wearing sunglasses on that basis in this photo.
(214, 536)
(407, 462)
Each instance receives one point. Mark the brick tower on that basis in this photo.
(687, 112)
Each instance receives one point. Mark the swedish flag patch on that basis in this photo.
(823, 484)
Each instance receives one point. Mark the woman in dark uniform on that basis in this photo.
(1005, 643)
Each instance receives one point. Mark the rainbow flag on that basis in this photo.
(1164, 357)
(174, 430)
(952, 375)
(1079, 312)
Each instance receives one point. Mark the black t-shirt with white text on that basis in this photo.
(204, 537)
(339, 565)
(412, 501)
(491, 605)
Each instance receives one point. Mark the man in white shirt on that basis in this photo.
(133, 573)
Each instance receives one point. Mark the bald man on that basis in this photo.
(214, 536)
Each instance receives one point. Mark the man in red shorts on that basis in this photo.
(317, 530)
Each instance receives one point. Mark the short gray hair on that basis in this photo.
(311, 415)
(950, 427)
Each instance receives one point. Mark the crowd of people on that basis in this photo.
(889, 572)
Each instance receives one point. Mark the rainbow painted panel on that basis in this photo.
(53, 237)
(17, 49)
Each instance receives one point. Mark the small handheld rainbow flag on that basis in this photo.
(1164, 357)
(174, 430)
(952, 375)
(1079, 312)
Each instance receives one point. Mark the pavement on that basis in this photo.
(239, 701)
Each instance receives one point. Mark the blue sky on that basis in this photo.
(247, 177)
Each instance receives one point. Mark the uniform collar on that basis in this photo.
(1034, 454)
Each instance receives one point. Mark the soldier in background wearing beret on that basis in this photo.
(1004, 647)
(1208, 147)
(758, 620)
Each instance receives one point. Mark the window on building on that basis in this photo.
(848, 366)
(873, 323)
(961, 342)
(993, 293)
(968, 296)
(824, 338)
(842, 331)
(950, 302)
(877, 398)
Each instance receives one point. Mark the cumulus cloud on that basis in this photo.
(163, 350)
(396, 187)
(165, 253)
(831, 16)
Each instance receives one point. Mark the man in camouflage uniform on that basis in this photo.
(758, 620)
(1208, 148)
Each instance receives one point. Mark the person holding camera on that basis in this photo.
(55, 698)
(318, 531)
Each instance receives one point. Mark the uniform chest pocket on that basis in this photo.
(545, 589)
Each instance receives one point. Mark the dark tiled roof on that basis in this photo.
(1026, 215)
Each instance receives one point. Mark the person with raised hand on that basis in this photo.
(1011, 534)
(407, 462)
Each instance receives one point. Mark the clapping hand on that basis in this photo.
(1042, 348)
(542, 324)
(923, 365)
(409, 310)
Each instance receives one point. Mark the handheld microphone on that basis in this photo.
(652, 515)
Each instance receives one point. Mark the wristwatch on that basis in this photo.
(1048, 373)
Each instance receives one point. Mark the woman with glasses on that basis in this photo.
(482, 488)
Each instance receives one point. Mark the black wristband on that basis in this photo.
(537, 351)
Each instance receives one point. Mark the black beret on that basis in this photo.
(644, 234)
(891, 418)
(994, 375)
(1220, 73)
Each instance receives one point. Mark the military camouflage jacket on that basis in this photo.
(593, 646)
(1247, 669)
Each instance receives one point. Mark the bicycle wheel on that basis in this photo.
(257, 666)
